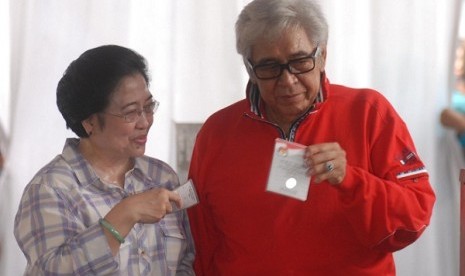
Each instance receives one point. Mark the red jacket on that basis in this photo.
(384, 203)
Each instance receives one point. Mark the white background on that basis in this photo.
(403, 48)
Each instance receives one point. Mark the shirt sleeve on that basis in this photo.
(186, 258)
(390, 204)
(54, 241)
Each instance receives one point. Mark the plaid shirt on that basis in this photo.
(57, 222)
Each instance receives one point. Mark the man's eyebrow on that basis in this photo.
(298, 54)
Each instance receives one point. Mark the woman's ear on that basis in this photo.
(88, 124)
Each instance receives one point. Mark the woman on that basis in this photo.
(102, 207)
(369, 191)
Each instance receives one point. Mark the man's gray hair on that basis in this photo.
(267, 19)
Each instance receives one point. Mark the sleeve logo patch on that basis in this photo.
(407, 157)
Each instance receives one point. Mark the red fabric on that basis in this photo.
(240, 229)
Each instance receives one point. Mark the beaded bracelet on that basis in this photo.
(111, 229)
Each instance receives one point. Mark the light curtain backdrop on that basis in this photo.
(403, 48)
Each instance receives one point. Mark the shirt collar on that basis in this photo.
(83, 170)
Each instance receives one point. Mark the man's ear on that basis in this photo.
(322, 59)
(253, 79)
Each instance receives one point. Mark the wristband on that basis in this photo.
(111, 229)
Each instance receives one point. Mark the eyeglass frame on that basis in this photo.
(139, 112)
(287, 65)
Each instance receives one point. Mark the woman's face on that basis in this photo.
(112, 135)
(289, 95)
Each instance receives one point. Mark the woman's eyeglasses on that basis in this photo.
(134, 115)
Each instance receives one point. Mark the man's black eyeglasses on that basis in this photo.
(295, 66)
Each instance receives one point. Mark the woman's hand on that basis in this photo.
(152, 205)
(146, 207)
(326, 161)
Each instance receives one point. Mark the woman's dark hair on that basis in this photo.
(89, 81)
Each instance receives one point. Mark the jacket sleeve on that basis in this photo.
(390, 203)
(388, 215)
(200, 217)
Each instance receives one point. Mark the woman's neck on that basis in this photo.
(108, 168)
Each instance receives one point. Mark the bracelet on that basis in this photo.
(111, 229)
